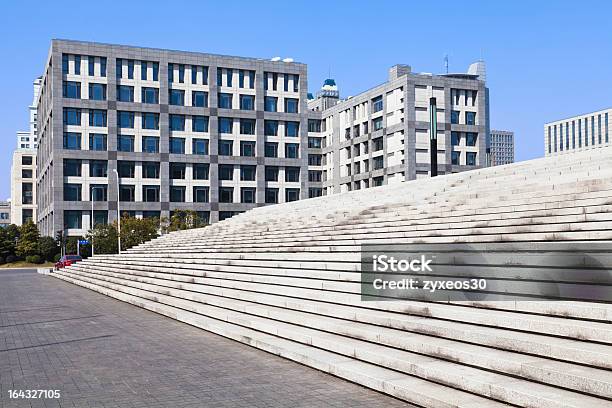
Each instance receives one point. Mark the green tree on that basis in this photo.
(27, 243)
(104, 238)
(48, 248)
(135, 231)
(182, 220)
(8, 240)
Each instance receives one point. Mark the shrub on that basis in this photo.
(11, 258)
(1, 260)
(57, 257)
(34, 259)
(47, 248)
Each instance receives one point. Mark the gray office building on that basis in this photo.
(161, 130)
(502, 147)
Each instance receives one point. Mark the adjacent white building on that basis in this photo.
(577, 133)
(23, 168)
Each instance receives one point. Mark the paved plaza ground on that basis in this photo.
(101, 352)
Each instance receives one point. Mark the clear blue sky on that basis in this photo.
(545, 60)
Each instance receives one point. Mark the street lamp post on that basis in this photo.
(118, 213)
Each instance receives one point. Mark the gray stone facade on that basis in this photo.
(311, 148)
(369, 143)
(53, 154)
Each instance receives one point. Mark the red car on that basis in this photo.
(67, 260)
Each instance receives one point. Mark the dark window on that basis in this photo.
(177, 171)
(292, 129)
(315, 160)
(470, 118)
(98, 192)
(247, 148)
(314, 175)
(377, 123)
(225, 101)
(271, 128)
(26, 174)
(177, 145)
(247, 195)
(91, 65)
(271, 195)
(156, 71)
(247, 126)
(454, 117)
(72, 141)
(226, 147)
(72, 167)
(125, 119)
(150, 144)
(292, 194)
(71, 90)
(130, 66)
(100, 217)
(471, 139)
(455, 138)
(177, 123)
(97, 118)
(27, 195)
(72, 116)
(291, 105)
(247, 102)
(98, 168)
(292, 174)
(247, 173)
(26, 215)
(199, 146)
(125, 93)
(226, 194)
(271, 149)
(377, 104)
(199, 99)
(378, 162)
(225, 125)
(125, 143)
(199, 123)
(455, 158)
(150, 95)
(177, 194)
(200, 171)
(150, 120)
(292, 150)
(126, 169)
(150, 194)
(72, 192)
(314, 125)
(97, 141)
(470, 158)
(73, 219)
(143, 70)
(176, 97)
(127, 192)
(65, 64)
(378, 144)
(271, 173)
(271, 104)
(226, 172)
(26, 160)
(97, 92)
(150, 170)
(200, 194)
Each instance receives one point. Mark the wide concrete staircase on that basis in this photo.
(286, 279)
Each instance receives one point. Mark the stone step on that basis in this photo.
(408, 388)
(422, 319)
(486, 384)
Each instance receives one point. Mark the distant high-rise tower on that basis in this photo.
(502, 147)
